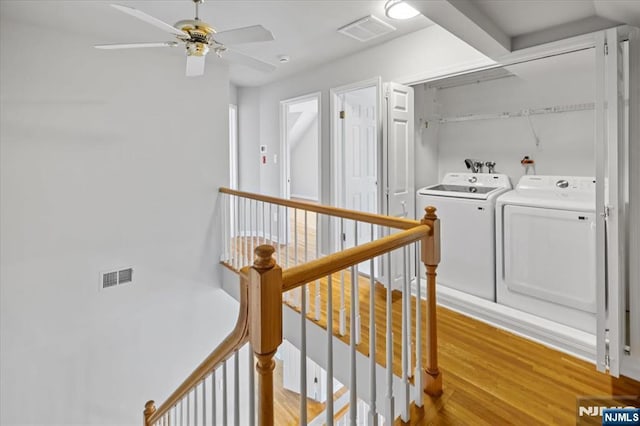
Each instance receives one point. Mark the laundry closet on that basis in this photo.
(530, 166)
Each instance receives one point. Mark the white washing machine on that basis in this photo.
(546, 250)
(466, 204)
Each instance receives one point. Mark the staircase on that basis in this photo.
(351, 311)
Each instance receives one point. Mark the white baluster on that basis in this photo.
(245, 242)
(318, 299)
(224, 393)
(355, 294)
(329, 403)
(236, 388)
(238, 249)
(303, 357)
(195, 405)
(353, 393)
(214, 417)
(278, 237)
(417, 373)
(223, 228)
(390, 415)
(264, 228)
(306, 259)
(271, 239)
(295, 251)
(181, 414)
(189, 409)
(406, 307)
(342, 326)
(227, 228)
(373, 415)
(255, 241)
(204, 403)
(252, 388)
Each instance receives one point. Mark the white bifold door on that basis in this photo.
(617, 198)
(398, 169)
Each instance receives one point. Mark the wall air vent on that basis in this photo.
(366, 29)
(113, 278)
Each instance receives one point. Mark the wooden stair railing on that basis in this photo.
(261, 303)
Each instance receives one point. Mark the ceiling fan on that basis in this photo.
(200, 38)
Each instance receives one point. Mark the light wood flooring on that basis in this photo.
(491, 377)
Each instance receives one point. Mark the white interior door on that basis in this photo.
(398, 140)
(610, 187)
(360, 159)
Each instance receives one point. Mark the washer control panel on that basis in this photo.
(493, 180)
(563, 186)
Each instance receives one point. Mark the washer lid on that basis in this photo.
(480, 186)
(459, 191)
(555, 192)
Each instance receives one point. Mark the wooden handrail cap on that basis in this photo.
(430, 212)
(264, 259)
(149, 408)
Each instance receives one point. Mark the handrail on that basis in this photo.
(376, 219)
(301, 274)
(232, 343)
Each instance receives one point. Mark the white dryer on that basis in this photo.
(546, 249)
(465, 204)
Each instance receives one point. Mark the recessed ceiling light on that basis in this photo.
(399, 9)
(284, 59)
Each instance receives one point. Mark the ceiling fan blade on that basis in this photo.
(150, 20)
(195, 66)
(136, 45)
(241, 58)
(250, 34)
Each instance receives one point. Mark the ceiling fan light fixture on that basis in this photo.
(399, 9)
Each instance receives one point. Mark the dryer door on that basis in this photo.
(550, 255)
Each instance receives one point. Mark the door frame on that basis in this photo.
(285, 165)
(233, 147)
(336, 141)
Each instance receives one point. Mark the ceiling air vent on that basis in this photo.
(109, 279)
(367, 28)
(113, 278)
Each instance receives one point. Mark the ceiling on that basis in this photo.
(304, 30)
(497, 27)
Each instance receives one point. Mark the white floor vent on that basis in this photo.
(366, 29)
(113, 278)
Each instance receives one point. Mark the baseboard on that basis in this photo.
(630, 366)
(549, 333)
(305, 198)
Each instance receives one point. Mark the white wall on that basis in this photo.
(566, 140)
(428, 52)
(249, 139)
(426, 138)
(233, 94)
(108, 159)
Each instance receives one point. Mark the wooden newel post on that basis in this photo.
(431, 257)
(149, 409)
(265, 324)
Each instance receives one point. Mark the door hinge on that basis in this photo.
(606, 48)
(605, 212)
(344, 237)
(342, 115)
